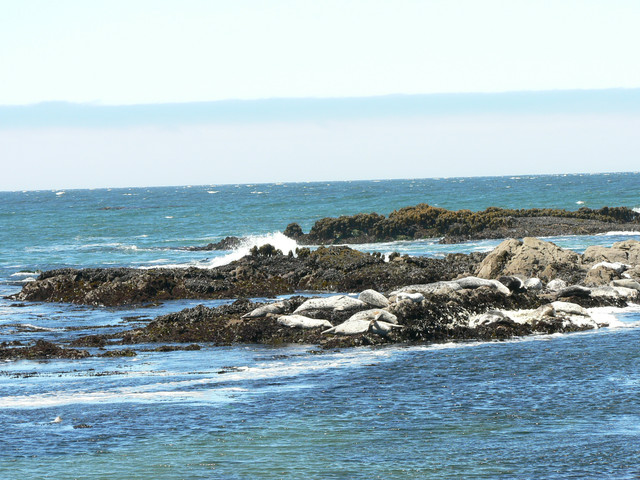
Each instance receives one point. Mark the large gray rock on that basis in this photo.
(627, 252)
(601, 274)
(530, 258)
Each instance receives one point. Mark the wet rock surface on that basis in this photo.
(325, 269)
(530, 287)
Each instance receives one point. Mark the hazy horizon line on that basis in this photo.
(281, 109)
(129, 187)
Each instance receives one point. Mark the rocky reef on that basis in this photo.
(266, 272)
(426, 221)
(522, 287)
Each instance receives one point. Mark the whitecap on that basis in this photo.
(580, 202)
(213, 191)
(60, 193)
(23, 274)
(629, 233)
(636, 209)
(277, 239)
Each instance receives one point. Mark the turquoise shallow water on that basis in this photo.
(543, 407)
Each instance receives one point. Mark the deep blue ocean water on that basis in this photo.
(560, 406)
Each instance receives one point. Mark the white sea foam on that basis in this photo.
(620, 233)
(60, 193)
(277, 239)
(23, 274)
(36, 328)
(637, 209)
(580, 202)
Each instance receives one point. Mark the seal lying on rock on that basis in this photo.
(274, 308)
(350, 327)
(373, 298)
(374, 314)
(382, 328)
(300, 321)
(361, 321)
(413, 297)
(492, 317)
(355, 327)
(475, 282)
(338, 302)
(435, 288)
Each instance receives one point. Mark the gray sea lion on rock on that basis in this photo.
(513, 283)
(574, 291)
(627, 283)
(300, 321)
(489, 318)
(274, 308)
(382, 328)
(350, 327)
(435, 288)
(374, 314)
(556, 285)
(533, 284)
(338, 302)
(414, 297)
(475, 282)
(373, 298)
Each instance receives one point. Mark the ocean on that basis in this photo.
(546, 406)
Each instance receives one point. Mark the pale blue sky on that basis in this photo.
(96, 55)
(158, 51)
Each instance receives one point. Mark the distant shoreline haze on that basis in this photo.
(66, 114)
(61, 145)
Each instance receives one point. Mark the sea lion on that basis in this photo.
(374, 314)
(262, 311)
(381, 328)
(300, 321)
(352, 327)
(373, 298)
(475, 282)
(414, 297)
(337, 302)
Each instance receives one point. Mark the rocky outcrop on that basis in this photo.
(265, 275)
(627, 252)
(426, 221)
(40, 350)
(474, 311)
(531, 258)
(227, 243)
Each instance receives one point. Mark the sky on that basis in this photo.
(140, 93)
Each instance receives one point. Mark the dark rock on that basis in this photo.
(425, 221)
(227, 243)
(40, 350)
